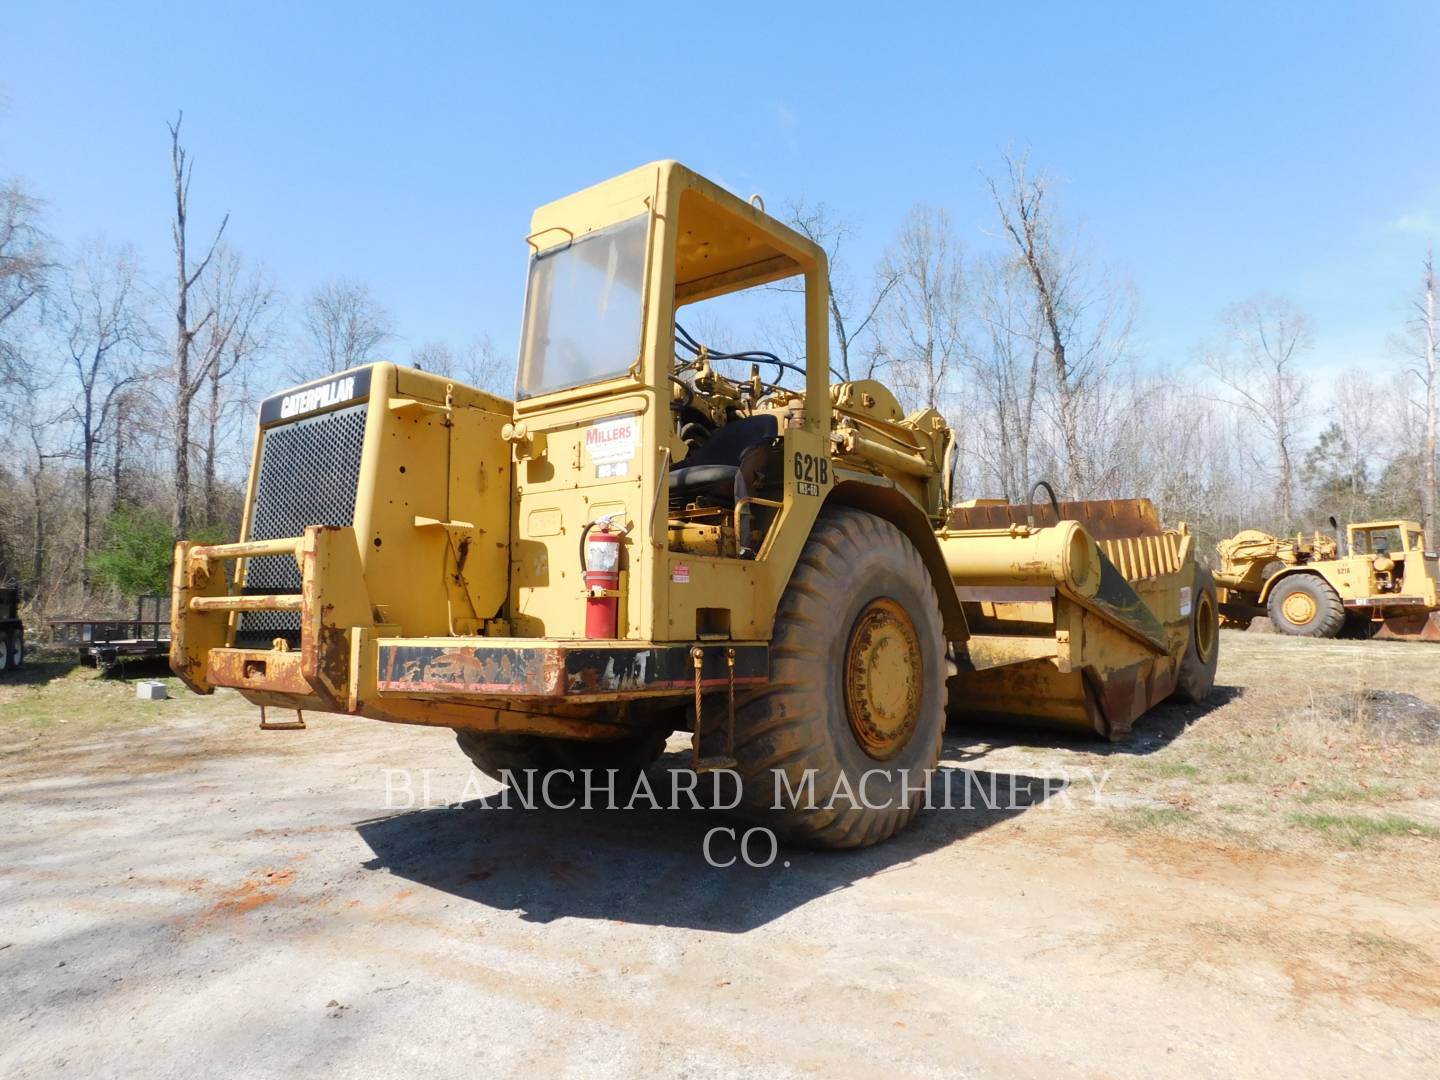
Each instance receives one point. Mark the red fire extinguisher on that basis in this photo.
(600, 569)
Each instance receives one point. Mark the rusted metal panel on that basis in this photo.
(1417, 626)
(557, 670)
(1029, 693)
(250, 669)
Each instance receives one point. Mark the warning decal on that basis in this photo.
(680, 573)
(1185, 601)
(613, 439)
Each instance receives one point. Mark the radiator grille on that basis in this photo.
(309, 473)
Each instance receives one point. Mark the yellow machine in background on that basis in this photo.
(1386, 583)
(658, 536)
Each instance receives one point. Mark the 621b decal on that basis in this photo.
(812, 472)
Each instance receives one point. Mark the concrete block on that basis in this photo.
(151, 690)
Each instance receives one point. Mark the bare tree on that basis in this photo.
(853, 312)
(1258, 359)
(1083, 319)
(239, 333)
(24, 259)
(1002, 360)
(30, 418)
(346, 325)
(922, 343)
(102, 335)
(188, 378)
(1427, 315)
(479, 364)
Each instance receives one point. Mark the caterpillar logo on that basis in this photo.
(308, 399)
(319, 397)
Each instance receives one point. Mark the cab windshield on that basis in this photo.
(1378, 542)
(583, 310)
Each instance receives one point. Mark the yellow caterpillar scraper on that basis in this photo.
(1385, 585)
(658, 535)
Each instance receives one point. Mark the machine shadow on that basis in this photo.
(40, 669)
(649, 866)
(972, 741)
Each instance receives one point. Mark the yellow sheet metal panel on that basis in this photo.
(1103, 519)
(1060, 555)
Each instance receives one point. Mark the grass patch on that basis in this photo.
(1356, 830)
(1180, 770)
(1370, 793)
(55, 694)
(1138, 819)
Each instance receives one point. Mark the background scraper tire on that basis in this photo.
(494, 754)
(1304, 605)
(1202, 651)
(857, 668)
(5, 649)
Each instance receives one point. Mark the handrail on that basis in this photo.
(289, 545)
(268, 602)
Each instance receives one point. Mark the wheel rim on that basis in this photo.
(883, 686)
(1206, 627)
(1299, 608)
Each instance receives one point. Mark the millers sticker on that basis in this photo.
(680, 573)
(1185, 600)
(611, 440)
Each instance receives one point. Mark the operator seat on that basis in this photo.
(719, 467)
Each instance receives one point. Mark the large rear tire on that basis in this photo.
(1202, 651)
(5, 650)
(855, 709)
(1304, 605)
(494, 755)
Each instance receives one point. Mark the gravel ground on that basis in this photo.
(185, 895)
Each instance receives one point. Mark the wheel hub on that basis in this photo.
(1205, 628)
(883, 667)
(1299, 608)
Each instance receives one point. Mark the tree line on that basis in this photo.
(1027, 342)
(127, 393)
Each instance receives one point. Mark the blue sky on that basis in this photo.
(1211, 154)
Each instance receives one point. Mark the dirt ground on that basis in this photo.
(1248, 889)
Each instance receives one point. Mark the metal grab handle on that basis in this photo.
(549, 228)
(269, 602)
(289, 545)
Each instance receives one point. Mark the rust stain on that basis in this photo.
(259, 889)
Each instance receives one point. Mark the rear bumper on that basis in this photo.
(577, 671)
(1369, 603)
(344, 665)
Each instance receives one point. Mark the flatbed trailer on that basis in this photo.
(103, 643)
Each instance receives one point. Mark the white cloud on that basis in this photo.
(1415, 223)
(784, 115)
